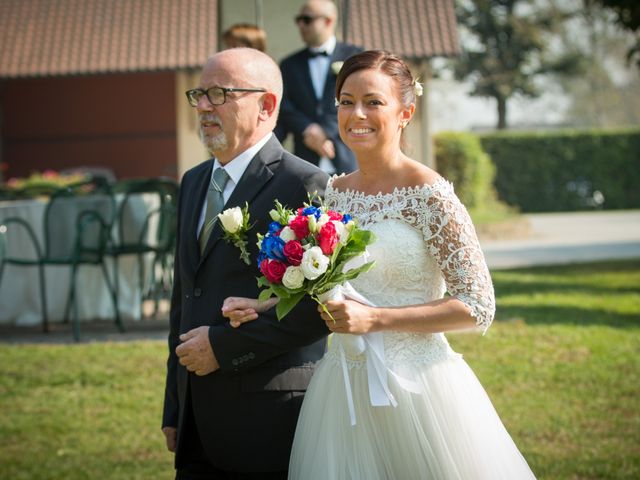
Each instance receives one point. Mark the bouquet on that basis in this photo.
(309, 251)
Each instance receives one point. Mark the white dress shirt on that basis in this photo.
(319, 69)
(235, 169)
(319, 66)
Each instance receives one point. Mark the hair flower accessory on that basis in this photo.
(235, 223)
(417, 88)
(336, 102)
(336, 66)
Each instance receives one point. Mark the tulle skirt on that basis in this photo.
(449, 431)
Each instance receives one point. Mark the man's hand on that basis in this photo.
(171, 436)
(315, 138)
(195, 352)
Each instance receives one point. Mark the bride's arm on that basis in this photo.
(451, 239)
(240, 310)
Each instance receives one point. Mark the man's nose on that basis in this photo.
(204, 105)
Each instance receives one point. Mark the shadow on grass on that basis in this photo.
(580, 294)
(553, 315)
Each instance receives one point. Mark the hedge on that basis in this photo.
(567, 170)
(461, 160)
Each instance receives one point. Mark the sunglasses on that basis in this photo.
(307, 19)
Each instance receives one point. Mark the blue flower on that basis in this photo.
(346, 218)
(315, 211)
(274, 227)
(272, 247)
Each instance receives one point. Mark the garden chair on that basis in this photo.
(144, 232)
(77, 222)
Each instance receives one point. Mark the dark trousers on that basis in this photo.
(196, 466)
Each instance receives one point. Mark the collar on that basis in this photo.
(236, 167)
(329, 46)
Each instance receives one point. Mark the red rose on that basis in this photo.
(300, 226)
(328, 238)
(293, 251)
(333, 215)
(274, 271)
(263, 266)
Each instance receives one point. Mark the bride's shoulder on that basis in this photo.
(419, 175)
(342, 182)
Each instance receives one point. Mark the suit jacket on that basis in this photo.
(246, 412)
(300, 106)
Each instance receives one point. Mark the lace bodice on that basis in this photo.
(426, 245)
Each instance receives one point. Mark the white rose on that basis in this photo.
(343, 233)
(336, 66)
(293, 277)
(287, 234)
(314, 263)
(231, 219)
(324, 218)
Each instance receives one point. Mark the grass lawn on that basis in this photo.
(561, 365)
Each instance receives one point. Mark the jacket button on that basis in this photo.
(197, 292)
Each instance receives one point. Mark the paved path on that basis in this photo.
(558, 238)
(555, 238)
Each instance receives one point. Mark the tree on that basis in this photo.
(608, 93)
(507, 48)
(628, 16)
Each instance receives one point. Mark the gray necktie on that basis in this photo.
(215, 202)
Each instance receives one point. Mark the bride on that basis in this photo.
(443, 425)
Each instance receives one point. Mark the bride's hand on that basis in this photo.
(240, 310)
(349, 317)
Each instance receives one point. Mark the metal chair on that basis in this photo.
(77, 224)
(143, 232)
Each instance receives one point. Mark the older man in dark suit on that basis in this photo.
(233, 396)
(308, 105)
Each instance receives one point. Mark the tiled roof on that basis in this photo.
(69, 37)
(413, 29)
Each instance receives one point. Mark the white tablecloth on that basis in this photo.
(19, 291)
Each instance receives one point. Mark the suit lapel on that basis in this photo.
(306, 81)
(253, 180)
(330, 81)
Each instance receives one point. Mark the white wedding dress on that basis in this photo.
(426, 245)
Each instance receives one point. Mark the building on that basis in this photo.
(101, 82)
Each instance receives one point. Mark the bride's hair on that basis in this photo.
(387, 63)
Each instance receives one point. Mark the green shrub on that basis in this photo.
(461, 160)
(568, 170)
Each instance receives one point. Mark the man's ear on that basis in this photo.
(269, 103)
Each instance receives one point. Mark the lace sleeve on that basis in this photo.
(452, 240)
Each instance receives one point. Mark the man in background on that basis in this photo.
(308, 104)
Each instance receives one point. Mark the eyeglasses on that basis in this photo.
(215, 95)
(306, 19)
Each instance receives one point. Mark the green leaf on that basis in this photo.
(285, 305)
(265, 295)
(280, 291)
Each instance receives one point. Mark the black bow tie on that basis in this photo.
(321, 53)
